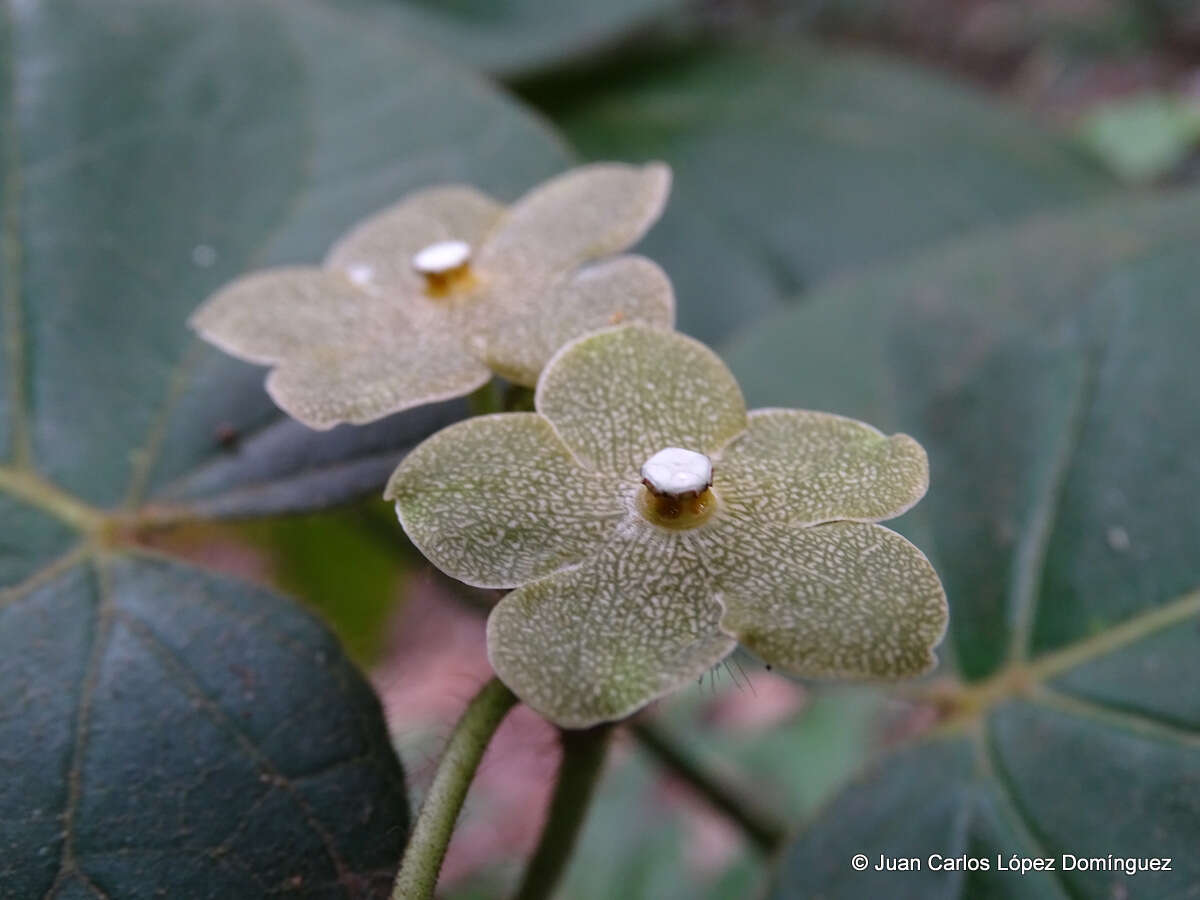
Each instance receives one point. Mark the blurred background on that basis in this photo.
(941, 216)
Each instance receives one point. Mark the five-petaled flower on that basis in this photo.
(426, 300)
(635, 570)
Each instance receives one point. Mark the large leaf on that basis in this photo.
(517, 35)
(167, 732)
(794, 164)
(161, 728)
(1050, 373)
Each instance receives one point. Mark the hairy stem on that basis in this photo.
(762, 827)
(426, 848)
(582, 761)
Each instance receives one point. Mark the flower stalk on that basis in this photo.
(583, 754)
(426, 848)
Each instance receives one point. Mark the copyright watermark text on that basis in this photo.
(1021, 865)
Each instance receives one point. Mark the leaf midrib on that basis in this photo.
(1030, 560)
(1138, 724)
(101, 631)
(1010, 808)
(30, 488)
(970, 704)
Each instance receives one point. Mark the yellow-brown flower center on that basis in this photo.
(677, 490)
(446, 266)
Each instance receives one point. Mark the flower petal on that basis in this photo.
(617, 397)
(378, 253)
(799, 467)
(596, 642)
(518, 334)
(384, 373)
(847, 600)
(267, 316)
(342, 354)
(497, 500)
(584, 214)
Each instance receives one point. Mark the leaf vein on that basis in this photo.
(101, 630)
(48, 572)
(1030, 559)
(186, 679)
(1136, 721)
(1011, 808)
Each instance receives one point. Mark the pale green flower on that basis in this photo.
(623, 593)
(426, 300)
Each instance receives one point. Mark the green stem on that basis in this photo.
(582, 761)
(426, 848)
(518, 398)
(500, 396)
(486, 399)
(763, 828)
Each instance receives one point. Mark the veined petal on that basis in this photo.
(341, 354)
(584, 214)
(846, 600)
(496, 501)
(617, 397)
(385, 372)
(518, 333)
(267, 316)
(800, 467)
(378, 254)
(595, 642)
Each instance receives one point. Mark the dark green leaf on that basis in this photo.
(29, 540)
(167, 732)
(794, 164)
(514, 36)
(924, 805)
(1050, 783)
(1049, 371)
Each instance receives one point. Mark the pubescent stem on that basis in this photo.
(764, 829)
(583, 754)
(426, 848)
